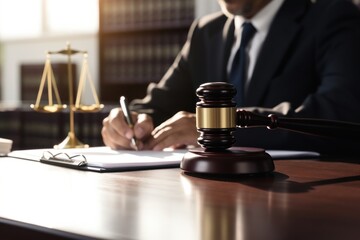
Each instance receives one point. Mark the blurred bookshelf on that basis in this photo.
(31, 130)
(139, 40)
(31, 76)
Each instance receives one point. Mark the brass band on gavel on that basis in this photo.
(223, 117)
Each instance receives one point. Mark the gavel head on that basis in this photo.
(216, 115)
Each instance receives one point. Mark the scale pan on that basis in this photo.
(49, 108)
(89, 108)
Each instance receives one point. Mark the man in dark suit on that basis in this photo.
(303, 61)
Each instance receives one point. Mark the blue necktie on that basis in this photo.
(238, 71)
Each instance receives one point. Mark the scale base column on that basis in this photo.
(71, 142)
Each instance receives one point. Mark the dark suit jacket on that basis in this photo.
(309, 66)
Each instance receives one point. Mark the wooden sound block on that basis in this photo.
(235, 160)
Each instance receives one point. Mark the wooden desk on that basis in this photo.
(303, 199)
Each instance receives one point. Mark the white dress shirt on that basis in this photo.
(261, 21)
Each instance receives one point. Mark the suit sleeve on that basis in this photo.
(175, 91)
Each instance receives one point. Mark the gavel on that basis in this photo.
(216, 120)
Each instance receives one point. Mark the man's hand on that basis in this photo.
(117, 134)
(176, 132)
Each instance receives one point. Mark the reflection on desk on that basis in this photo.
(303, 199)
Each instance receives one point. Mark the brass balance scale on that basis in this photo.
(56, 106)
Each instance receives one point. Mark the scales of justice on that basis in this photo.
(52, 106)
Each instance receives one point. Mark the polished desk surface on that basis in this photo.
(302, 199)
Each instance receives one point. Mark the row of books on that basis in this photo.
(125, 15)
(141, 57)
(139, 40)
(29, 129)
(10, 125)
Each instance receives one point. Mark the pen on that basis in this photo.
(128, 119)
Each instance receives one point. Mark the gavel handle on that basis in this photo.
(317, 127)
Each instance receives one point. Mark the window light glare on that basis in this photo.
(36, 18)
(19, 18)
(72, 16)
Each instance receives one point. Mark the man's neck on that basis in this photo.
(252, 8)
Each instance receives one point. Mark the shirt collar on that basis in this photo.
(262, 20)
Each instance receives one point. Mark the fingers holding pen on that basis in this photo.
(178, 131)
(115, 129)
(143, 126)
(142, 129)
(117, 133)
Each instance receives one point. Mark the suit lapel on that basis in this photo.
(282, 33)
(219, 48)
(228, 38)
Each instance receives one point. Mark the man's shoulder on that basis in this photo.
(335, 11)
(210, 20)
(315, 13)
(324, 4)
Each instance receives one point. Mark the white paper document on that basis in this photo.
(104, 157)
